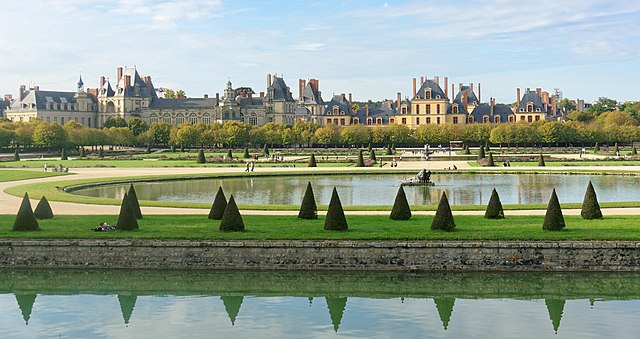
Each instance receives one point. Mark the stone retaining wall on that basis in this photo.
(324, 255)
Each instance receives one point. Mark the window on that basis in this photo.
(404, 121)
(179, 119)
(438, 109)
(511, 119)
(270, 119)
(470, 119)
(417, 109)
(496, 119)
(61, 120)
(82, 120)
(438, 120)
(369, 121)
(529, 107)
(537, 118)
(522, 110)
(166, 119)
(341, 112)
(153, 118)
(335, 111)
(342, 122)
(328, 121)
(253, 119)
(522, 118)
(485, 119)
(428, 109)
(455, 109)
(455, 120)
(418, 121)
(427, 93)
(88, 122)
(529, 118)
(404, 110)
(428, 120)
(193, 119)
(392, 120)
(48, 119)
(379, 121)
(206, 119)
(356, 121)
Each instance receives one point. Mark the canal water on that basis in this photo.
(236, 304)
(358, 190)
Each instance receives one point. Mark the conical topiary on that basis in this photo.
(369, 149)
(127, 218)
(133, 197)
(466, 150)
(616, 149)
(494, 208)
(401, 209)
(486, 147)
(265, 150)
(148, 148)
(181, 148)
(100, 153)
(83, 152)
(360, 159)
(201, 159)
(173, 148)
(553, 220)
(389, 150)
(596, 148)
(590, 206)
(541, 160)
(246, 154)
(372, 156)
(229, 155)
(443, 220)
(16, 155)
(63, 155)
(490, 162)
(231, 218)
(481, 154)
(335, 219)
(218, 206)
(312, 161)
(308, 208)
(634, 151)
(43, 209)
(25, 219)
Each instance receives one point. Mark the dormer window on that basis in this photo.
(427, 93)
(404, 110)
(437, 97)
(455, 109)
(496, 119)
(470, 119)
(335, 111)
(341, 112)
(485, 119)
(538, 109)
(529, 107)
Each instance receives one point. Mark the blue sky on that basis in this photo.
(586, 48)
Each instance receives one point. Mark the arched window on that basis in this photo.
(379, 121)
(335, 110)
(485, 119)
(511, 118)
(166, 118)
(153, 118)
(455, 109)
(369, 121)
(206, 119)
(529, 107)
(253, 119)
(496, 119)
(427, 93)
(193, 119)
(179, 119)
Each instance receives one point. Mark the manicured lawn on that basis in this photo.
(141, 163)
(579, 163)
(12, 175)
(360, 228)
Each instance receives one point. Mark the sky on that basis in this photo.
(585, 48)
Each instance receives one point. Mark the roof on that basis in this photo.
(186, 103)
(501, 110)
(279, 90)
(340, 102)
(436, 90)
(255, 101)
(531, 97)
(471, 96)
(384, 112)
(106, 91)
(136, 83)
(37, 99)
(310, 96)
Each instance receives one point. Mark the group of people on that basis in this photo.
(59, 168)
(104, 227)
(394, 163)
(249, 166)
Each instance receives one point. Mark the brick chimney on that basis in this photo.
(493, 105)
(453, 91)
(261, 94)
(8, 97)
(528, 90)
(314, 84)
(465, 99)
(206, 96)
(437, 79)
(414, 88)
(399, 101)
(479, 100)
(389, 103)
(301, 85)
(268, 80)
(217, 99)
(517, 96)
(539, 91)
(471, 86)
(102, 81)
(459, 87)
(147, 81)
(446, 85)
(127, 82)
(350, 100)
(421, 81)
(366, 109)
(119, 74)
(23, 88)
(554, 104)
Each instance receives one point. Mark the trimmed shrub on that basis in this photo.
(389, 150)
(541, 160)
(133, 197)
(335, 219)
(181, 148)
(83, 153)
(443, 219)
(218, 206)
(360, 159)
(401, 209)
(64, 156)
(127, 218)
(590, 206)
(148, 148)
(101, 153)
(229, 155)
(596, 148)
(634, 151)
(265, 150)
(481, 154)
(553, 219)
(486, 147)
(494, 208)
(466, 150)
(312, 161)
(246, 154)
(369, 148)
(490, 162)
(372, 156)
(393, 147)
(201, 159)
(173, 148)
(43, 209)
(25, 219)
(16, 155)
(231, 218)
(308, 208)
(616, 149)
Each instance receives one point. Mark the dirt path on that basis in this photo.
(9, 204)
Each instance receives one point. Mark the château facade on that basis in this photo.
(133, 95)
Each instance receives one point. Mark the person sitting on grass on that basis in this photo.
(104, 227)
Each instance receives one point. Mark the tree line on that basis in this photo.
(610, 126)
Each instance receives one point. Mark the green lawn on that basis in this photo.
(360, 228)
(12, 175)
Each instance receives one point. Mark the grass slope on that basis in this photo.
(13, 175)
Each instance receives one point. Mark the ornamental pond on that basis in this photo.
(380, 189)
(289, 304)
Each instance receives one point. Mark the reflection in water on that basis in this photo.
(462, 189)
(74, 303)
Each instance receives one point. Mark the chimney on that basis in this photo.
(36, 88)
(342, 97)
(517, 96)
(261, 94)
(539, 91)
(301, 85)
(453, 91)
(217, 99)
(102, 81)
(314, 84)
(206, 96)
(250, 98)
(421, 81)
(147, 80)
(446, 84)
(399, 101)
(366, 109)
(528, 90)
(389, 103)
(127, 82)
(243, 94)
(437, 80)
(268, 80)
(471, 86)
(92, 91)
(8, 97)
(479, 100)
(119, 74)
(350, 100)
(554, 104)
(22, 89)
(414, 88)
(460, 87)
(465, 98)
(493, 105)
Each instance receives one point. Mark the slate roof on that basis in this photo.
(255, 101)
(106, 91)
(384, 112)
(436, 90)
(280, 90)
(183, 103)
(534, 98)
(311, 96)
(471, 96)
(341, 102)
(502, 110)
(136, 80)
(40, 99)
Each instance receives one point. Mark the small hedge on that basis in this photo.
(25, 219)
(133, 197)
(231, 219)
(401, 209)
(443, 219)
(590, 206)
(312, 161)
(218, 206)
(43, 209)
(127, 220)
(335, 219)
(308, 208)
(201, 158)
(494, 208)
(553, 219)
